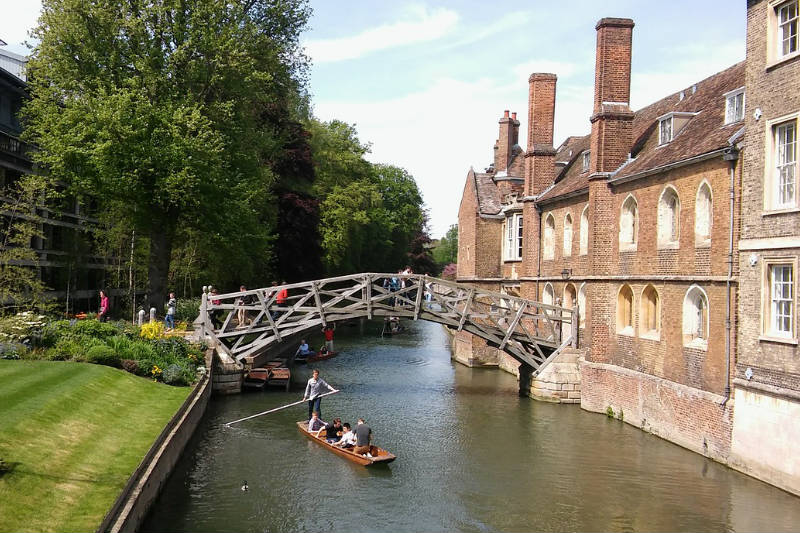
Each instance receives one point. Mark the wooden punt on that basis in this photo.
(256, 378)
(322, 357)
(280, 377)
(379, 455)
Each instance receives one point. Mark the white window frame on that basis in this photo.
(513, 237)
(777, 163)
(769, 325)
(734, 108)
(776, 31)
(787, 28)
(586, 160)
(662, 130)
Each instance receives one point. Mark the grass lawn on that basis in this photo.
(73, 434)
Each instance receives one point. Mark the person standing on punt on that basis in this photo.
(328, 332)
(314, 388)
(363, 438)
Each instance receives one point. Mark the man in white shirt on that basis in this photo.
(348, 439)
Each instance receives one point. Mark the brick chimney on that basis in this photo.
(612, 121)
(540, 155)
(505, 142)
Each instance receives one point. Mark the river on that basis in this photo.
(472, 456)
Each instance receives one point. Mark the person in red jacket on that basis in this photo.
(102, 316)
(328, 332)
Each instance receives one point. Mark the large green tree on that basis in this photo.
(164, 109)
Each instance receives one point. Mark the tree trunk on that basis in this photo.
(161, 237)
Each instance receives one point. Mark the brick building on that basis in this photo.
(638, 225)
(767, 379)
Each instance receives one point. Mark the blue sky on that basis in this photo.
(426, 82)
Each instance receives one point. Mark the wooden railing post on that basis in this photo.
(368, 294)
(575, 323)
(203, 311)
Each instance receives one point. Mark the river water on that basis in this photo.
(472, 456)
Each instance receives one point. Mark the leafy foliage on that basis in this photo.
(447, 250)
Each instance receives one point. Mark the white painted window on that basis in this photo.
(549, 237)
(586, 159)
(513, 240)
(582, 305)
(787, 14)
(625, 310)
(695, 318)
(785, 180)
(703, 211)
(584, 231)
(665, 130)
(781, 284)
(668, 217)
(628, 224)
(650, 323)
(568, 235)
(734, 106)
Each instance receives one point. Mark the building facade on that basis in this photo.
(767, 378)
(639, 223)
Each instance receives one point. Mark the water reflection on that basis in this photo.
(472, 456)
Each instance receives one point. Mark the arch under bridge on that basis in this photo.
(531, 332)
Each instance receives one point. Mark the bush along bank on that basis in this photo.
(144, 351)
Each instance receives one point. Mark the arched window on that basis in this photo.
(695, 318)
(568, 235)
(582, 305)
(568, 300)
(549, 236)
(628, 224)
(584, 231)
(703, 213)
(669, 219)
(548, 296)
(649, 320)
(625, 310)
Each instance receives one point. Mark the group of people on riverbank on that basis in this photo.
(359, 439)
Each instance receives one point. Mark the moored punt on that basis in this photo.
(319, 356)
(280, 377)
(379, 455)
(256, 378)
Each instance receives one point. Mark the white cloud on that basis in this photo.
(422, 25)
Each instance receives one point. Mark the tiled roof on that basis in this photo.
(704, 132)
(488, 194)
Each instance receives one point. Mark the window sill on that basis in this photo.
(702, 243)
(776, 62)
(668, 246)
(512, 260)
(651, 336)
(548, 258)
(697, 344)
(627, 248)
(779, 340)
(780, 211)
(584, 253)
(566, 256)
(627, 331)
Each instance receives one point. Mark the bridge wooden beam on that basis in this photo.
(420, 291)
(318, 301)
(513, 325)
(467, 305)
(368, 294)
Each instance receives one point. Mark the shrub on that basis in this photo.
(173, 375)
(188, 309)
(130, 365)
(21, 328)
(93, 328)
(103, 355)
(171, 347)
(65, 349)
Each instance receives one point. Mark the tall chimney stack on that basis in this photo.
(502, 148)
(540, 156)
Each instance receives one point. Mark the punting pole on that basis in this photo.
(276, 409)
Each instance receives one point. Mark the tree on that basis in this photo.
(447, 250)
(164, 110)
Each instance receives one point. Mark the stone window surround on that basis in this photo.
(773, 40)
(629, 245)
(689, 338)
(568, 233)
(583, 245)
(548, 248)
(512, 251)
(581, 304)
(547, 290)
(730, 98)
(673, 241)
(585, 160)
(766, 299)
(625, 327)
(703, 240)
(769, 164)
(651, 334)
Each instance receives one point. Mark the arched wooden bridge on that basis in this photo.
(531, 332)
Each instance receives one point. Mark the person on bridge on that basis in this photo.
(215, 313)
(363, 438)
(313, 389)
(328, 332)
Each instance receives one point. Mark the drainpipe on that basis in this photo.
(538, 251)
(731, 155)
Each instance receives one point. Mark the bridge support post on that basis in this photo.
(525, 377)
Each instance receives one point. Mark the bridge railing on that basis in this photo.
(246, 322)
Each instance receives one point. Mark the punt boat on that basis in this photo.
(379, 455)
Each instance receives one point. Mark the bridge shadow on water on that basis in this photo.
(472, 456)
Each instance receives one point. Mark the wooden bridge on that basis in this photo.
(531, 332)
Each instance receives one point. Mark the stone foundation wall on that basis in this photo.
(560, 381)
(689, 417)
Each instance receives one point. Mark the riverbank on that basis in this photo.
(72, 434)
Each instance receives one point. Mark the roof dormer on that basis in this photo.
(671, 124)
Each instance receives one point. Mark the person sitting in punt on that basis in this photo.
(348, 439)
(333, 431)
(316, 423)
(303, 350)
(363, 439)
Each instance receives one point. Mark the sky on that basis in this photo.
(426, 82)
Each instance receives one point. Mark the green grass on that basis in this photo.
(73, 433)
